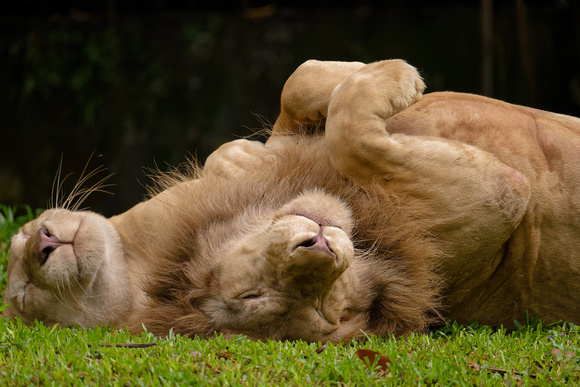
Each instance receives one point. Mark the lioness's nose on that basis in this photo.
(48, 243)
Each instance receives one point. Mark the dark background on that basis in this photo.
(145, 83)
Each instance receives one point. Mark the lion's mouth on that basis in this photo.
(326, 312)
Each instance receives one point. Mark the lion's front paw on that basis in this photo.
(237, 157)
(355, 127)
(383, 88)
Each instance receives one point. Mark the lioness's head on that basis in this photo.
(66, 267)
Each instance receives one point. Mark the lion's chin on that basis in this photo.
(321, 208)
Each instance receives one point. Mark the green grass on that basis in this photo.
(455, 355)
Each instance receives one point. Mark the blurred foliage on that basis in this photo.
(146, 88)
(11, 219)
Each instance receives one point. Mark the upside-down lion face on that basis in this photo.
(287, 278)
(60, 268)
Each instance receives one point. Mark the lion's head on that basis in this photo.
(288, 276)
(67, 267)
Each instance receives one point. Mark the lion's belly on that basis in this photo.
(538, 272)
(538, 269)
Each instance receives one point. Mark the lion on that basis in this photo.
(355, 231)
(537, 266)
(78, 268)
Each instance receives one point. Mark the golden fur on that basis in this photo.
(76, 267)
(538, 267)
(68, 267)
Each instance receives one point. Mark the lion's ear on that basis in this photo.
(194, 323)
(400, 296)
(351, 330)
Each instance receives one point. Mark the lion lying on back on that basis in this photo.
(358, 230)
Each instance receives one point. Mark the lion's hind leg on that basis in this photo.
(306, 93)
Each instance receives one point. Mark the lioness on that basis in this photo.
(214, 233)
(80, 268)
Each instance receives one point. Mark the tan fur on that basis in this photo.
(409, 208)
(538, 268)
(85, 282)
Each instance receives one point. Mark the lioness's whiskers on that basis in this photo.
(82, 288)
(60, 296)
(83, 307)
(79, 193)
(83, 193)
(53, 202)
(58, 184)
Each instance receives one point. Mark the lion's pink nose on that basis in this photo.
(48, 243)
(317, 243)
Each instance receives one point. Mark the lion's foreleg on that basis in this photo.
(473, 200)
